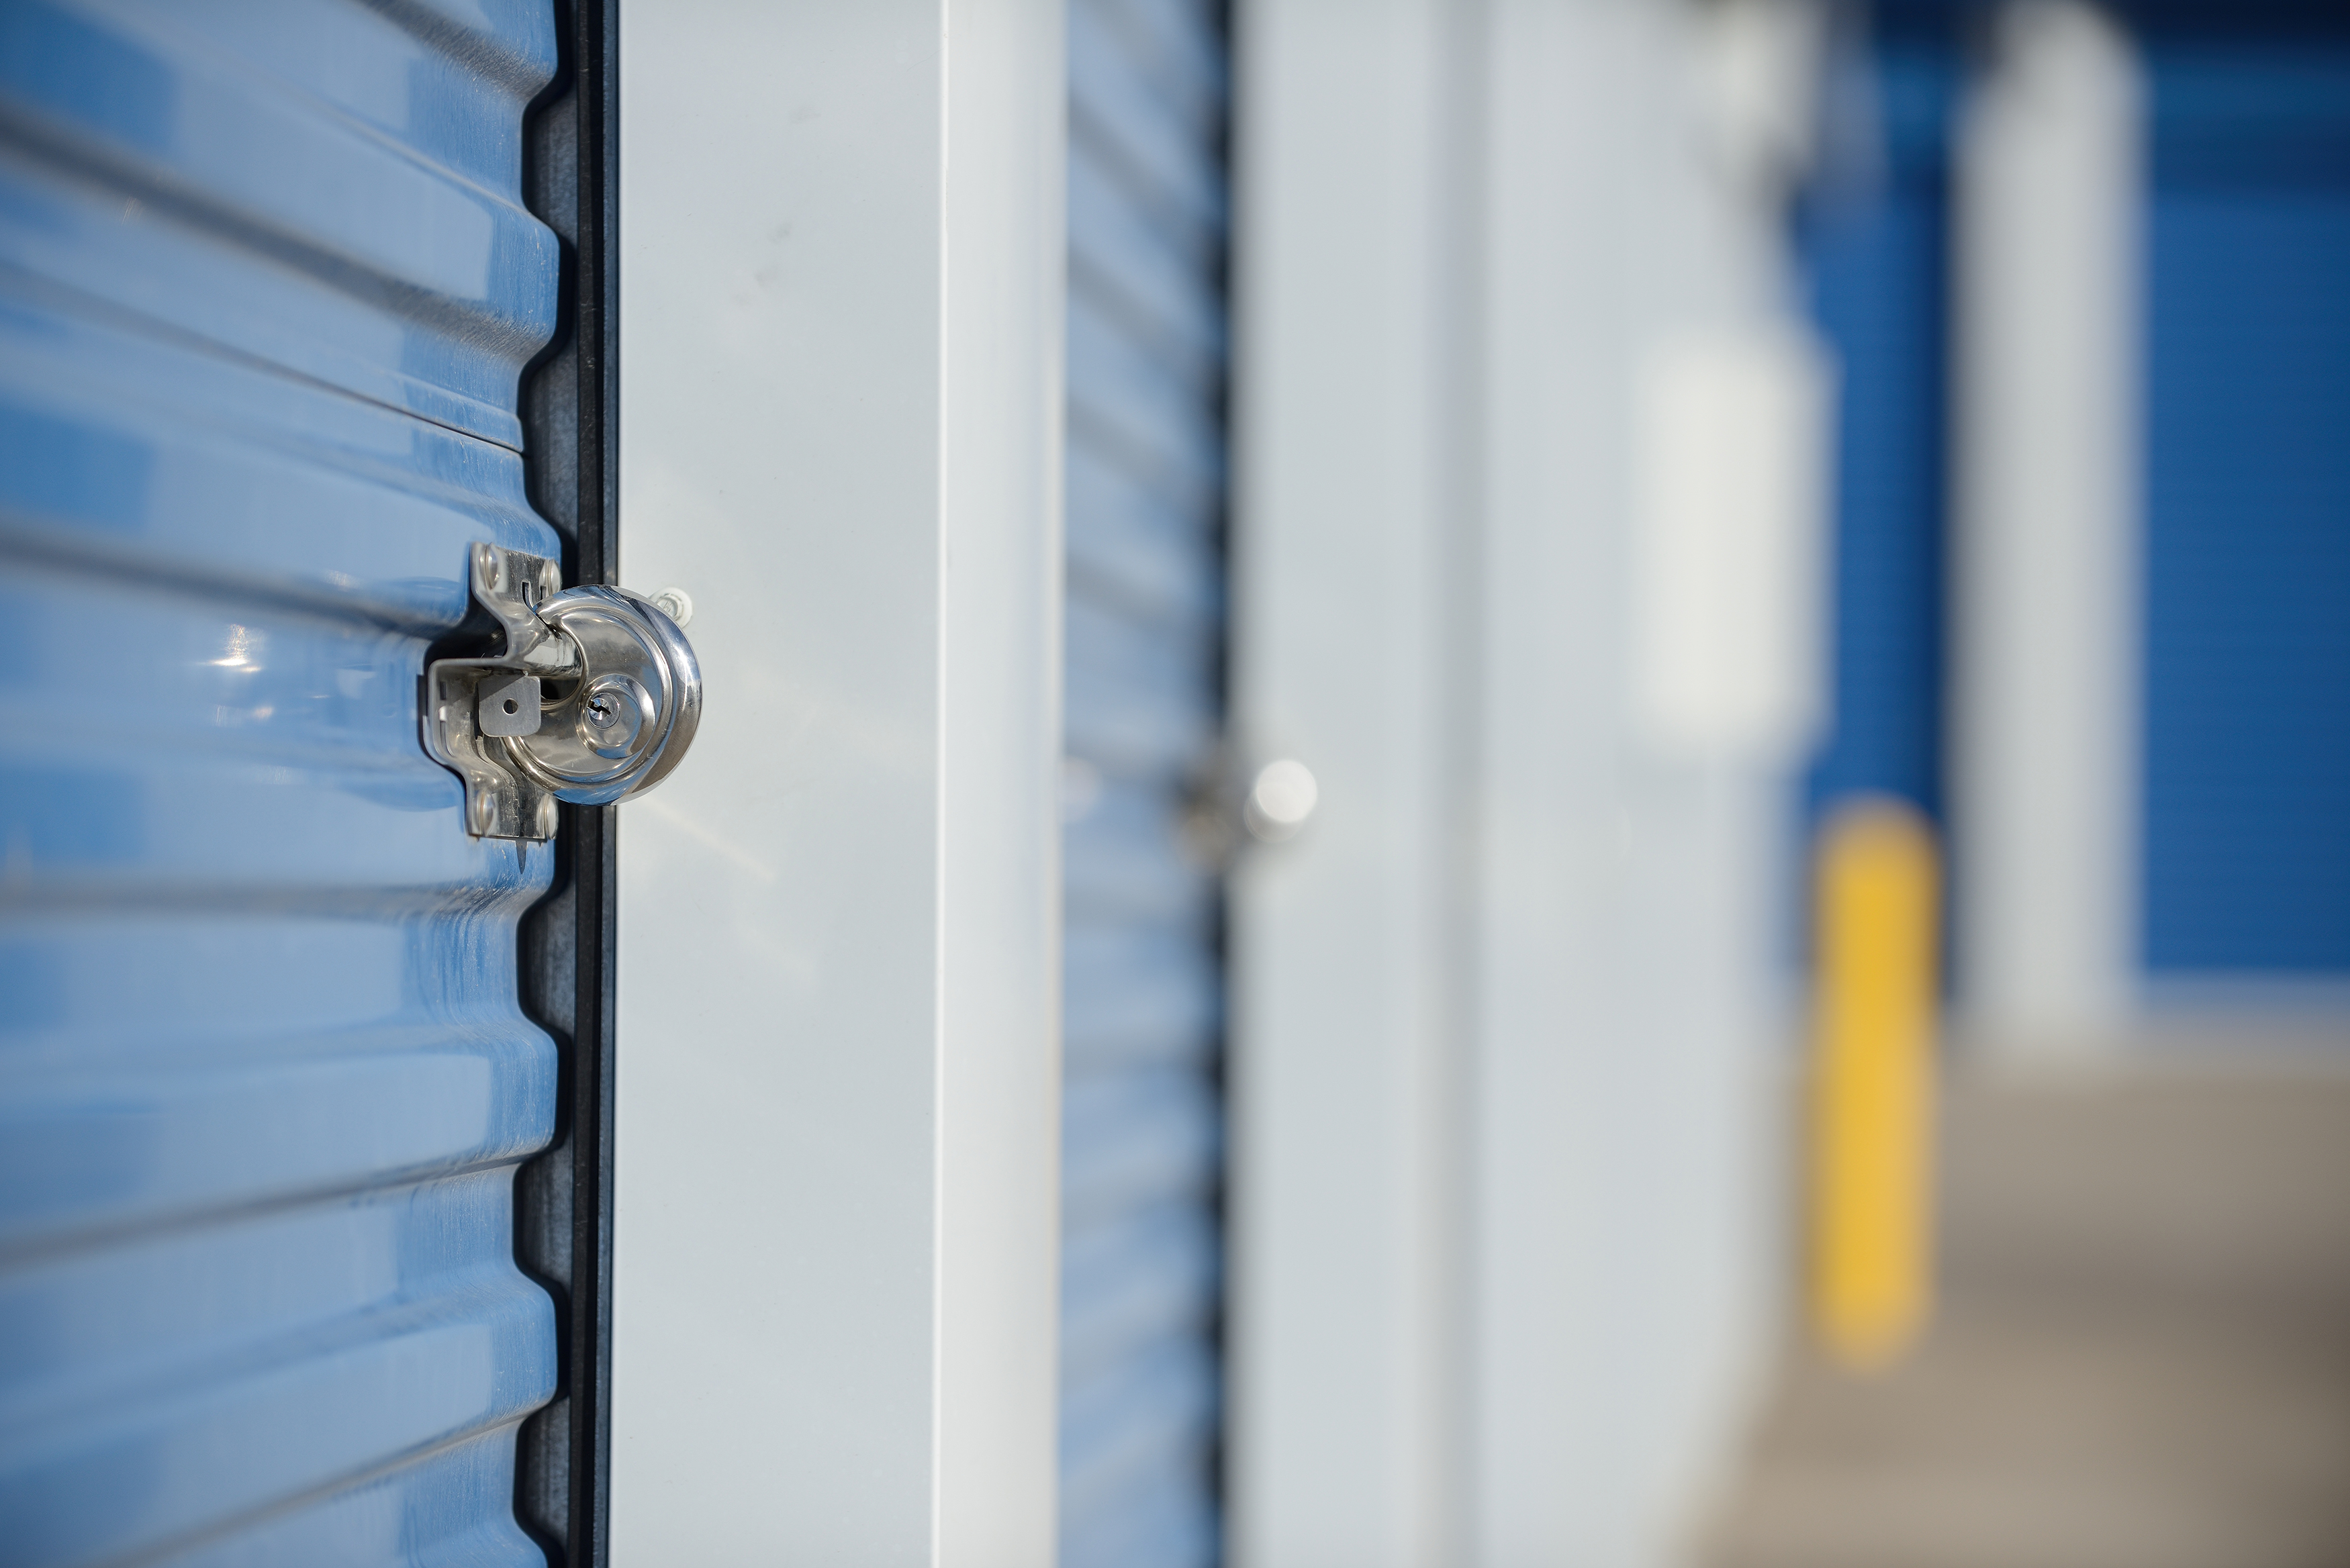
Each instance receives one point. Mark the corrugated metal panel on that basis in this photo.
(1875, 234)
(1142, 1141)
(266, 293)
(2248, 505)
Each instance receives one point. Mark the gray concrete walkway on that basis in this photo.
(2142, 1358)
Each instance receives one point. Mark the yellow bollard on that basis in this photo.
(1873, 1080)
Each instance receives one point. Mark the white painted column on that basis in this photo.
(1566, 301)
(2047, 690)
(838, 1121)
(1504, 1009)
(1649, 407)
(1341, 1437)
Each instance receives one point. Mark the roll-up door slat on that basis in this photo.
(1142, 1022)
(267, 294)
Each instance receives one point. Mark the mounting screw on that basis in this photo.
(484, 811)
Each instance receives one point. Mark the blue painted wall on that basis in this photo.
(2247, 632)
(1874, 236)
(2246, 776)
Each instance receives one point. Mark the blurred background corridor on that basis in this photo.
(1830, 967)
(2096, 259)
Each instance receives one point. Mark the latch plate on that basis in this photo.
(465, 720)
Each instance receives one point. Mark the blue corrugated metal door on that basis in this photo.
(2248, 497)
(1142, 1140)
(1875, 231)
(267, 289)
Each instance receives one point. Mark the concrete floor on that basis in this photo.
(2141, 1357)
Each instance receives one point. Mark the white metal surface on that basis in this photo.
(1340, 1434)
(1629, 996)
(2046, 808)
(1505, 1008)
(836, 1120)
(1729, 633)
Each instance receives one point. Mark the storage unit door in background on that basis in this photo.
(1142, 1131)
(2248, 499)
(266, 290)
(1875, 229)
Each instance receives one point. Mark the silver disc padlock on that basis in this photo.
(595, 698)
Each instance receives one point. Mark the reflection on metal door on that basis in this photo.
(267, 289)
(2248, 502)
(1142, 1138)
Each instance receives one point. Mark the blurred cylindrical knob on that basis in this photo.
(1280, 798)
